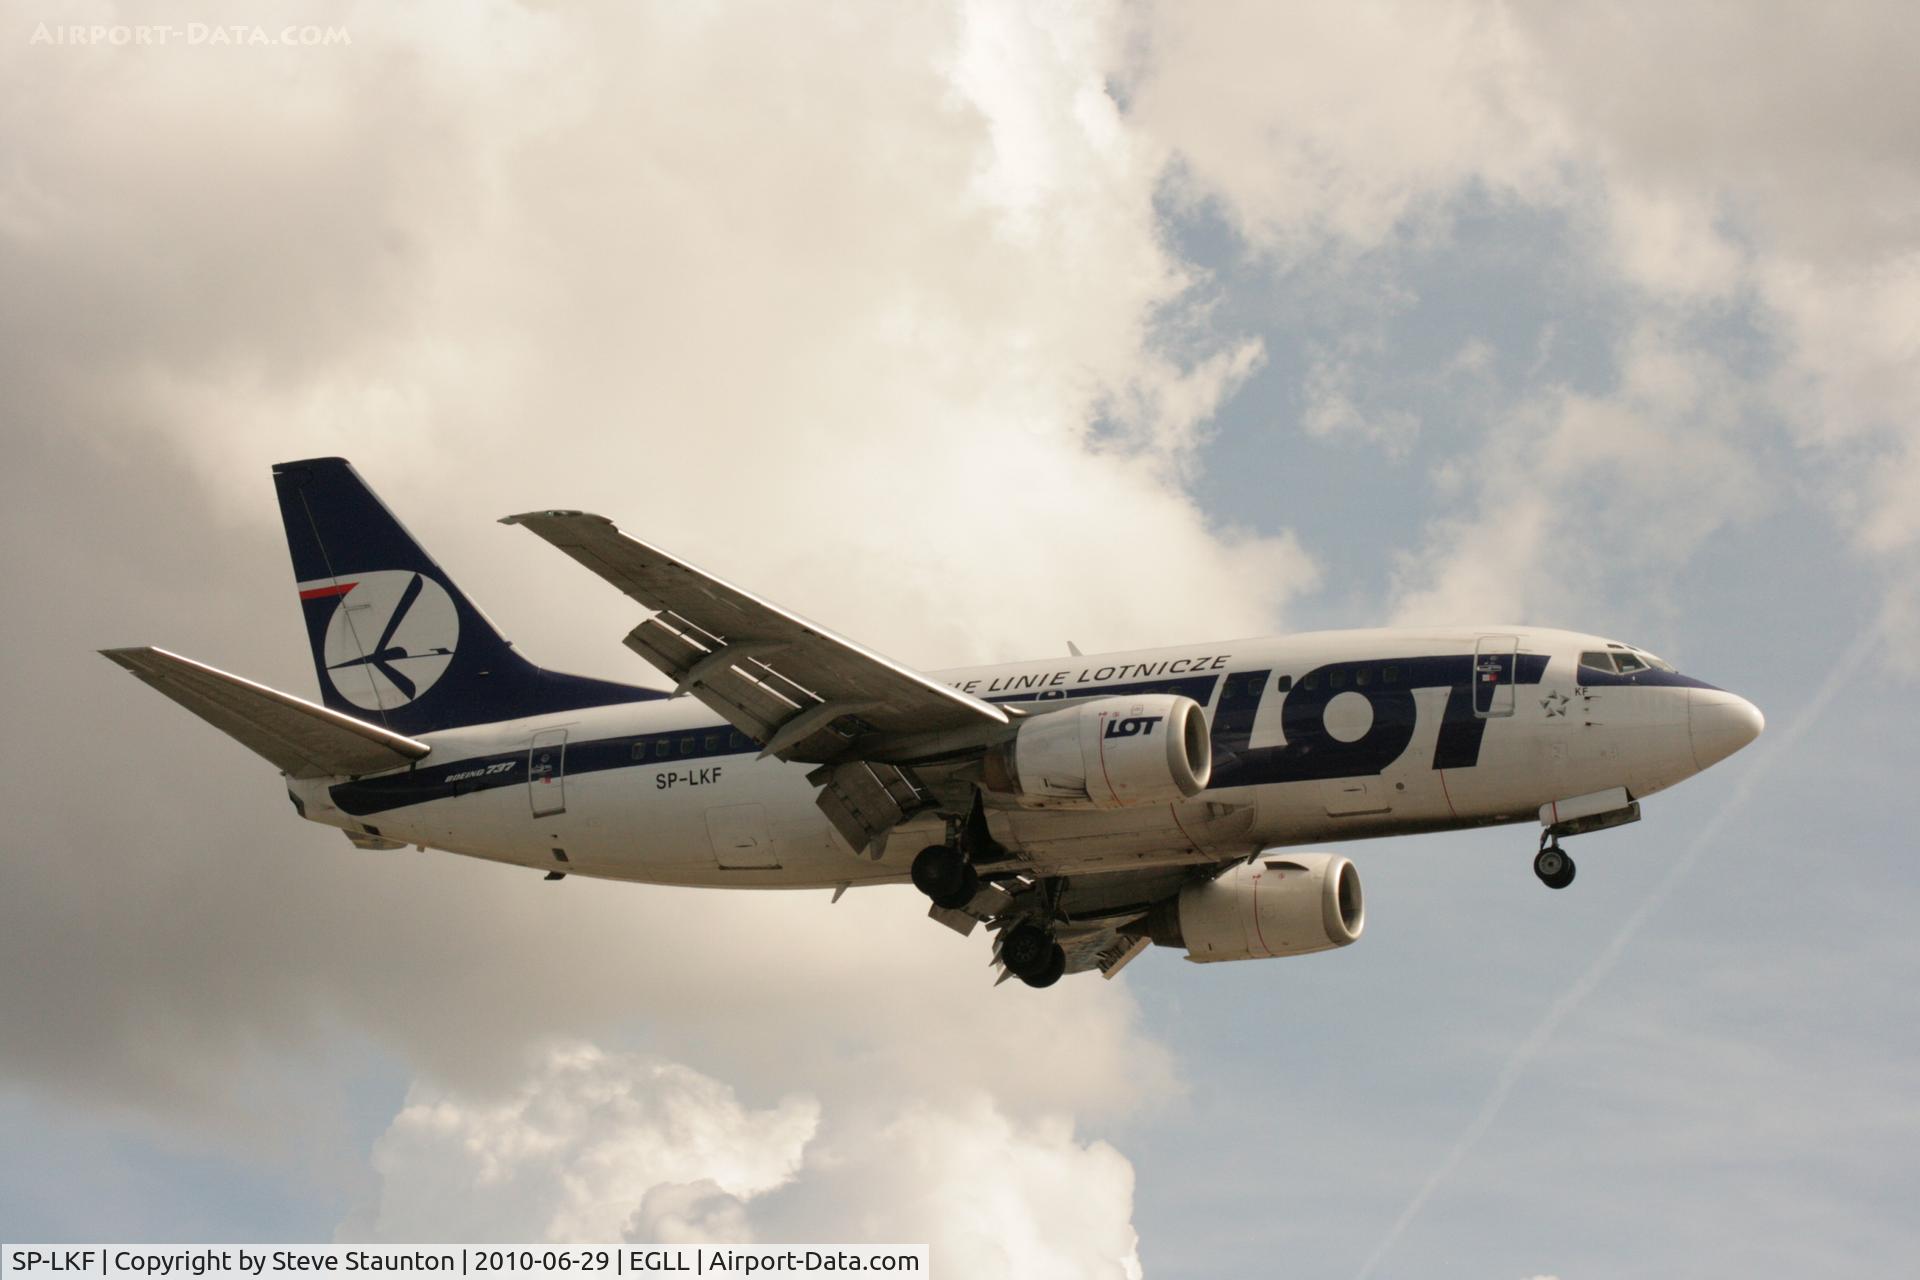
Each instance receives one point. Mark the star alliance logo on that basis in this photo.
(390, 639)
(1554, 704)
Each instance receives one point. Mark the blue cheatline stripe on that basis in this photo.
(1199, 688)
(509, 768)
(1308, 753)
(631, 751)
(1653, 677)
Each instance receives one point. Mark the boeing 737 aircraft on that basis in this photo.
(1081, 808)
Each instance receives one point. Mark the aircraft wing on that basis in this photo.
(801, 691)
(303, 739)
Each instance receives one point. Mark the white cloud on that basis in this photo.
(1330, 408)
(690, 1213)
(1704, 162)
(1574, 492)
(1332, 130)
(600, 1146)
(1773, 157)
(870, 310)
(576, 1150)
(995, 1196)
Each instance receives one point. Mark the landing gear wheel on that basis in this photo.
(1056, 965)
(962, 893)
(938, 870)
(1554, 867)
(1026, 949)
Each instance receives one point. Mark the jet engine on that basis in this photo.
(1104, 753)
(1280, 904)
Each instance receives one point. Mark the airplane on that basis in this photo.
(1081, 808)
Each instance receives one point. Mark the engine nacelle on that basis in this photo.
(1280, 904)
(1105, 753)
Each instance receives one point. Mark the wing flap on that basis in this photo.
(865, 800)
(754, 698)
(303, 739)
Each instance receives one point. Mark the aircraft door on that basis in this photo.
(741, 837)
(1493, 674)
(547, 772)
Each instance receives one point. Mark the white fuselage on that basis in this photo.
(1375, 733)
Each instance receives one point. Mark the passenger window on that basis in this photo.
(1283, 684)
(1362, 678)
(660, 749)
(713, 743)
(733, 742)
(1599, 661)
(1628, 662)
(1390, 676)
(1311, 682)
(639, 751)
(686, 746)
(1336, 679)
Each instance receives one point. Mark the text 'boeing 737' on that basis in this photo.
(1082, 809)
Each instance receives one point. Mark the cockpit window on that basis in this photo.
(1619, 658)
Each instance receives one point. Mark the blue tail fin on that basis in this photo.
(394, 640)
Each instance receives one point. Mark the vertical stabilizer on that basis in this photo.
(395, 641)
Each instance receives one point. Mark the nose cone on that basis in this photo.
(1720, 723)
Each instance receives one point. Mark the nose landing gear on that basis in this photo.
(1576, 816)
(1552, 864)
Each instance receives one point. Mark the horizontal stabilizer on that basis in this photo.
(303, 739)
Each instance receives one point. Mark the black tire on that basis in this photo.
(962, 892)
(1056, 966)
(1026, 949)
(938, 871)
(1565, 877)
(1550, 865)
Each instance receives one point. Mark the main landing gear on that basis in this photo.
(943, 873)
(1552, 864)
(1031, 955)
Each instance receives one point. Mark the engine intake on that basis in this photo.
(1105, 753)
(1280, 904)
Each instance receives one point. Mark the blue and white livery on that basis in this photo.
(1082, 808)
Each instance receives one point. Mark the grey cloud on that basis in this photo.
(815, 323)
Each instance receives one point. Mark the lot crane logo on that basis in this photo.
(391, 636)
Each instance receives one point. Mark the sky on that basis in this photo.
(969, 330)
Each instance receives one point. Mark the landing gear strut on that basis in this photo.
(943, 873)
(1031, 955)
(1552, 865)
